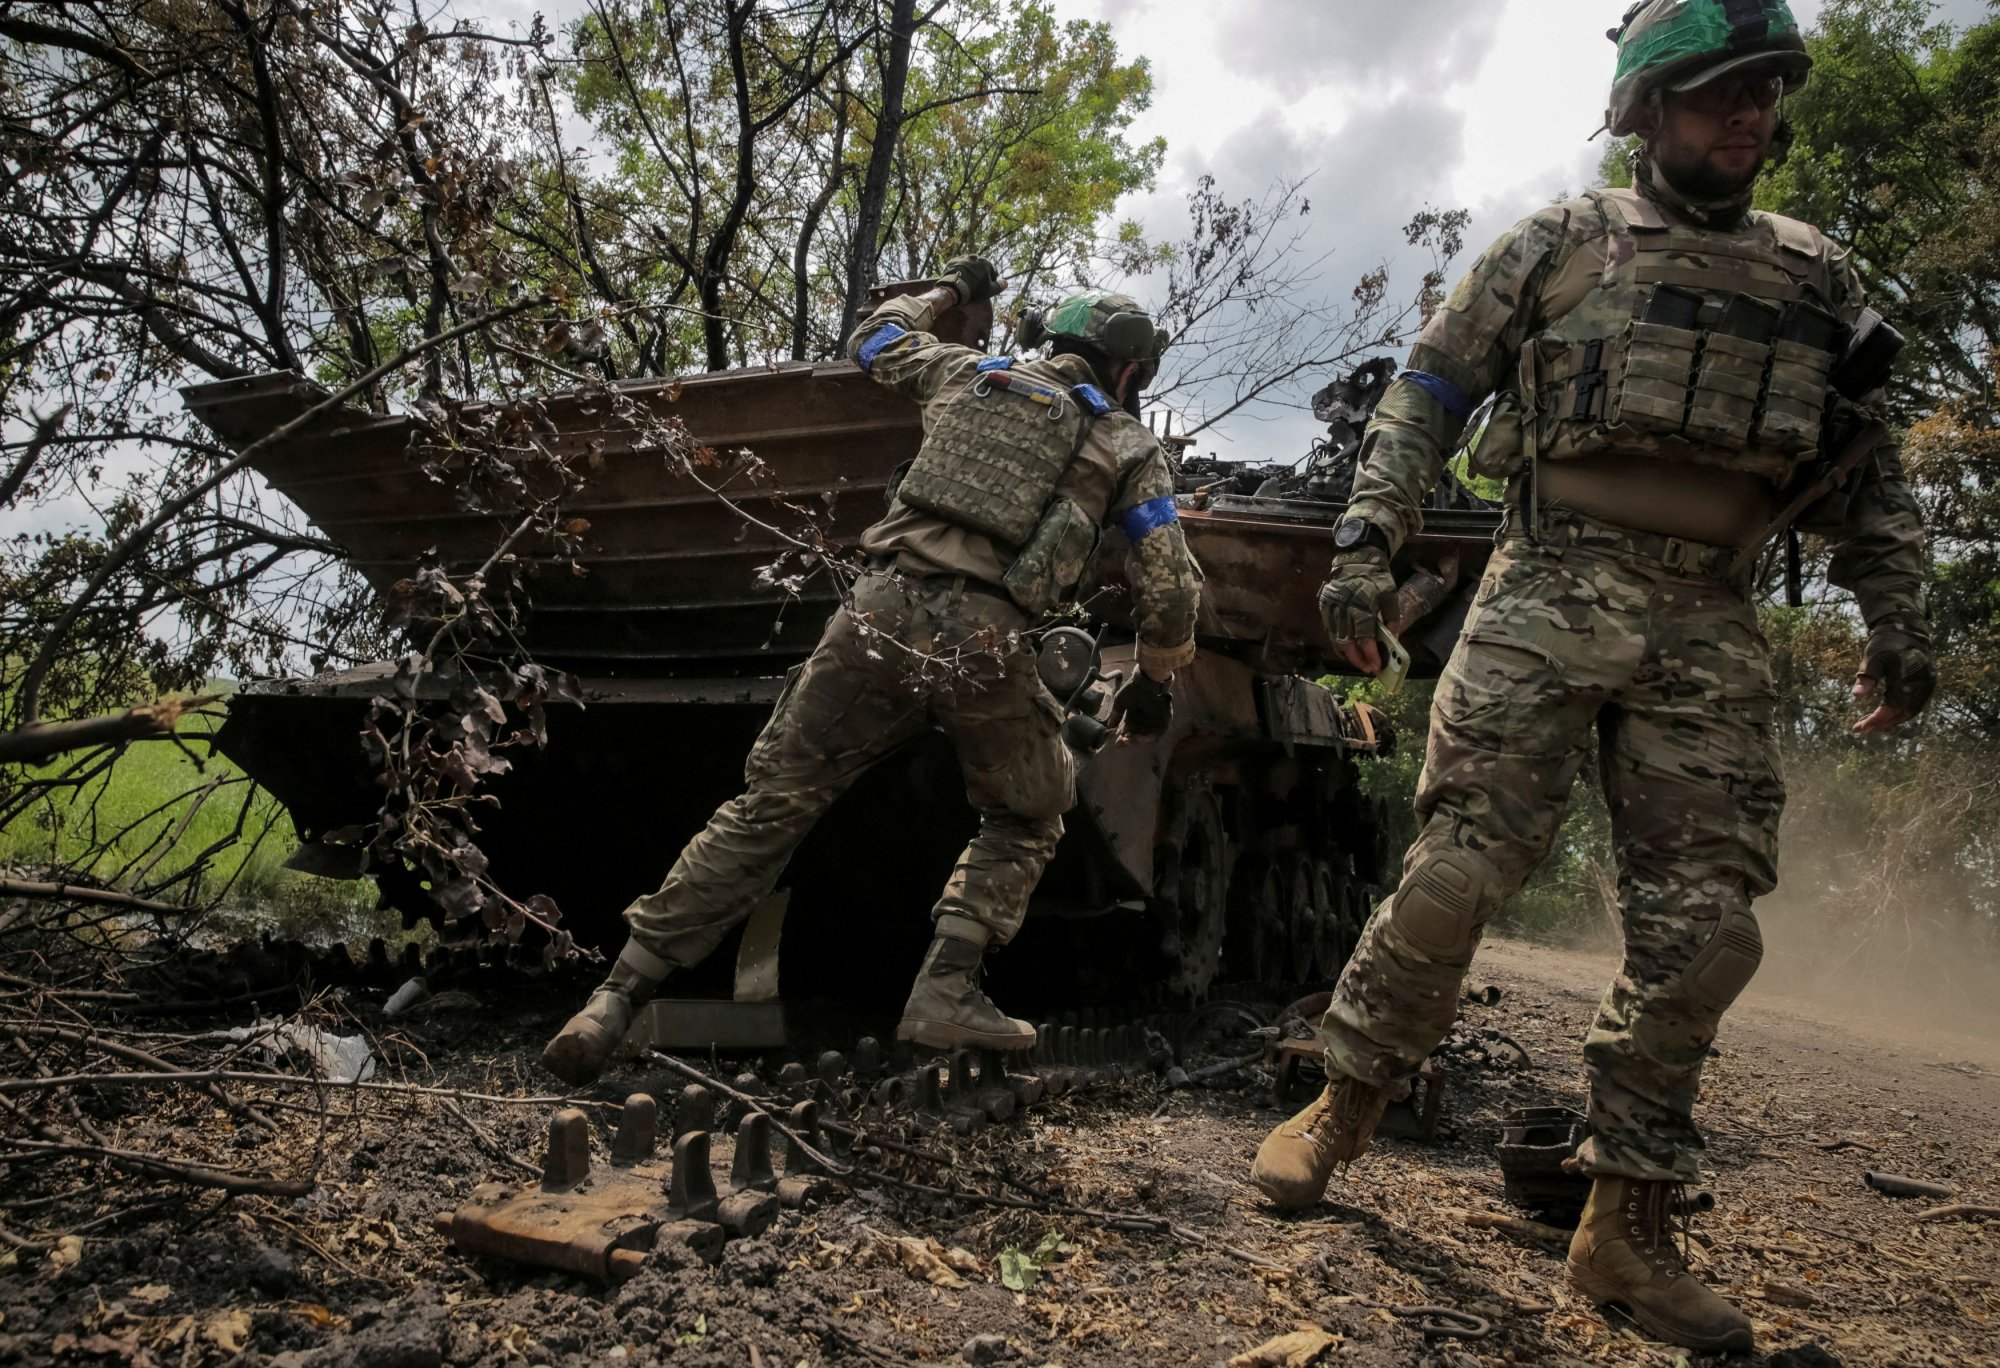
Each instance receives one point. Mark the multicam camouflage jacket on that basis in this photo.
(1655, 337)
(1119, 477)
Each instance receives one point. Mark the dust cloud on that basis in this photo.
(1906, 951)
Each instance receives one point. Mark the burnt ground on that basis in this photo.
(1799, 1102)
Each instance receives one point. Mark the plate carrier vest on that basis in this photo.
(1694, 345)
(995, 451)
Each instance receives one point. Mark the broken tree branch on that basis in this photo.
(38, 741)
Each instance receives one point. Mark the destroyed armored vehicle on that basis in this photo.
(1239, 846)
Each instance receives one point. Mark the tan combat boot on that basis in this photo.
(1295, 1160)
(578, 1052)
(1625, 1252)
(946, 1010)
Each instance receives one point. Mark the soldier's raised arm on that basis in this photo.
(894, 344)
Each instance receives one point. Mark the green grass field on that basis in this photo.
(155, 813)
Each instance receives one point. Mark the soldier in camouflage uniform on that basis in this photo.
(1022, 462)
(1664, 360)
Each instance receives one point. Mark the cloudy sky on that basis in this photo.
(1485, 105)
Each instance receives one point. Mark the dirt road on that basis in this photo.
(1799, 1103)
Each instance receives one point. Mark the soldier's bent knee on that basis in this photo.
(1722, 968)
(1444, 901)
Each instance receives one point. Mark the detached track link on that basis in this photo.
(602, 1219)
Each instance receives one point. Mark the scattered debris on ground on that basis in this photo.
(212, 1202)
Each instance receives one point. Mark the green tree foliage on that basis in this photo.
(721, 227)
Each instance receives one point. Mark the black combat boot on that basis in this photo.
(946, 1010)
(580, 1049)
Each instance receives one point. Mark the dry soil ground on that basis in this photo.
(354, 1274)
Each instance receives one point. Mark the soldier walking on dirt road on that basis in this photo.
(1675, 373)
(1022, 462)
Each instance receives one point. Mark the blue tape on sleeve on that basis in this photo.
(886, 337)
(1450, 397)
(1094, 399)
(1149, 517)
(994, 363)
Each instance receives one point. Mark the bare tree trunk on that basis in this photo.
(809, 229)
(875, 185)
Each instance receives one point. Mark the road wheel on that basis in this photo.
(1301, 916)
(1193, 886)
(1329, 908)
(1254, 944)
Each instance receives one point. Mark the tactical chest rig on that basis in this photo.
(1712, 348)
(991, 462)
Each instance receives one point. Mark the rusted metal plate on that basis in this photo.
(671, 571)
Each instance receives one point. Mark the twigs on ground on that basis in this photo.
(1960, 1211)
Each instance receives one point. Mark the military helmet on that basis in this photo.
(1114, 324)
(1680, 44)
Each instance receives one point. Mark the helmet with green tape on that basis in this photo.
(1115, 325)
(1680, 44)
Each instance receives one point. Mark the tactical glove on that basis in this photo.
(1350, 602)
(1898, 661)
(1143, 704)
(975, 278)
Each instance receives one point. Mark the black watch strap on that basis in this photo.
(1351, 534)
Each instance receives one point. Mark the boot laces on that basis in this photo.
(1341, 1114)
(1659, 1220)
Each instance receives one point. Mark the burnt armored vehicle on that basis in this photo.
(1238, 846)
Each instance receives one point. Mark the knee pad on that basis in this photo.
(1444, 901)
(1721, 969)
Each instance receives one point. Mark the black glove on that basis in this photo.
(1899, 662)
(1143, 704)
(1350, 602)
(974, 278)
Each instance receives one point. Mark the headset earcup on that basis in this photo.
(1129, 336)
(1033, 329)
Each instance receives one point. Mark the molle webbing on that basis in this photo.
(1693, 346)
(995, 452)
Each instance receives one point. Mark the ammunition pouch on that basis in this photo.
(1053, 558)
(1698, 346)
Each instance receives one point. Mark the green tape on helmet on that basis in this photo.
(1663, 42)
(1114, 324)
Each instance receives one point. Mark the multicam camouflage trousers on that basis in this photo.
(905, 655)
(1671, 668)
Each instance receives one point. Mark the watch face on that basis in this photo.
(1350, 534)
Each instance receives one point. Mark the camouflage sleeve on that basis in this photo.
(895, 347)
(1878, 555)
(1166, 591)
(1468, 349)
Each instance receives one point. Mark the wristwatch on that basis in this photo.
(1351, 534)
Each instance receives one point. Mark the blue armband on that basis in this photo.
(887, 337)
(994, 363)
(1450, 397)
(1094, 399)
(1148, 517)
